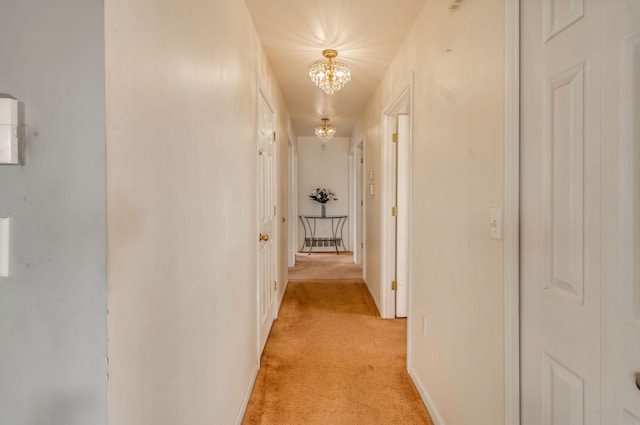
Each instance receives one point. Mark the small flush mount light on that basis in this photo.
(325, 131)
(330, 75)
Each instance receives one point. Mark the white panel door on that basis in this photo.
(621, 212)
(580, 241)
(402, 221)
(266, 219)
(560, 212)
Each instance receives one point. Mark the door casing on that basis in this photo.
(402, 103)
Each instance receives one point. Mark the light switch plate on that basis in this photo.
(8, 144)
(495, 223)
(8, 131)
(4, 246)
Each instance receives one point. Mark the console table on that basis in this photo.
(337, 225)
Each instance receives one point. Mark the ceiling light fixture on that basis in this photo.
(325, 131)
(330, 75)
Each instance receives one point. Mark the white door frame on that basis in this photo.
(402, 103)
(355, 196)
(293, 203)
(511, 222)
(360, 229)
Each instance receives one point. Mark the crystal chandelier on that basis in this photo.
(330, 76)
(325, 131)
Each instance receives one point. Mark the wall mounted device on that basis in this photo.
(9, 131)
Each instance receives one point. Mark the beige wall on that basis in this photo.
(368, 131)
(182, 84)
(458, 60)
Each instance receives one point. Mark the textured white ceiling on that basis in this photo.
(366, 33)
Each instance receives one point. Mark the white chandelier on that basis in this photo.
(325, 131)
(330, 75)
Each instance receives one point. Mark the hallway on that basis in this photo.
(330, 358)
(132, 289)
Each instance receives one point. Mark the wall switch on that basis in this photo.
(495, 223)
(4, 246)
(8, 131)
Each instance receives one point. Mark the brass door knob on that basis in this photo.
(264, 237)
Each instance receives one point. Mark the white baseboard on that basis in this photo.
(247, 394)
(375, 300)
(428, 401)
(284, 291)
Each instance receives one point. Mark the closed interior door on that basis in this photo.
(266, 219)
(621, 212)
(580, 286)
(560, 213)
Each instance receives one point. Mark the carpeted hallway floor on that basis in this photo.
(330, 359)
(323, 266)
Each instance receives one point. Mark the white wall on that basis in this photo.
(325, 169)
(457, 59)
(182, 85)
(53, 304)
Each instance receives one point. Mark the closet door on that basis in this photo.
(560, 212)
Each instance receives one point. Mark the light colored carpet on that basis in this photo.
(324, 266)
(330, 360)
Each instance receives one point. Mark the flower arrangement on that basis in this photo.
(323, 195)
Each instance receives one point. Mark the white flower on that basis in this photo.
(323, 195)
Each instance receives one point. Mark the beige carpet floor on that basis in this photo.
(324, 266)
(331, 360)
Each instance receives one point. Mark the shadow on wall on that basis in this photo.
(57, 408)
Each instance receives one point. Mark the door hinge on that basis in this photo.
(361, 203)
(274, 136)
(395, 137)
(275, 285)
(394, 211)
(275, 210)
(361, 244)
(394, 285)
(361, 160)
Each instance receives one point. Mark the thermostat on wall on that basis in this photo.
(9, 131)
